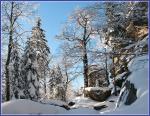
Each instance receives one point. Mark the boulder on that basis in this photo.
(98, 93)
(100, 107)
(71, 103)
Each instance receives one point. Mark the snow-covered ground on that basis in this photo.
(139, 77)
(88, 103)
(82, 106)
(29, 107)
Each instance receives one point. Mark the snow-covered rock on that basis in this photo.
(136, 83)
(98, 93)
(139, 79)
(119, 79)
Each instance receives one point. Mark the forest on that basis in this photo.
(97, 63)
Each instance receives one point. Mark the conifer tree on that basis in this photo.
(29, 72)
(42, 51)
(14, 72)
(35, 62)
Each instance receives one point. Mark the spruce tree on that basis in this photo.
(57, 84)
(35, 62)
(42, 51)
(29, 72)
(14, 72)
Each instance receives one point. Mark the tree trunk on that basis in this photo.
(45, 91)
(85, 60)
(85, 67)
(107, 77)
(66, 86)
(7, 67)
(9, 54)
(113, 75)
(45, 85)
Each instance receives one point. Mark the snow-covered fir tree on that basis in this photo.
(35, 62)
(14, 72)
(29, 72)
(42, 52)
(57, 84)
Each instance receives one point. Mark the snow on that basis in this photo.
(139, 68)
(96, 88)
(29, 76)
(85, 102)
(140, 106)
(36, 82)
(52, 101)
(123, 98)
(84, 105)
(29, 61)
(120, 75)
(31, 107)
(139, 77)
(32, 89)
(113, 89)
(139, 43)
(38, 53)
(82, 111)
(20, 93)
(23, 106)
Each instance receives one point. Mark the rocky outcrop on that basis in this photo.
(131, 97)
(98, 93)
(127, 94)
(121, 78)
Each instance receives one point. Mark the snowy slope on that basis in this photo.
(139, 77)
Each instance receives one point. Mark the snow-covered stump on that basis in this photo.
(98, 93)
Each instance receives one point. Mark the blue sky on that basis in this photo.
(53, 15)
